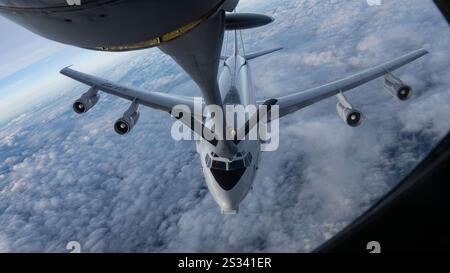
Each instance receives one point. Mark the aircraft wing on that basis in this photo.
(156, 100)
(296, 101)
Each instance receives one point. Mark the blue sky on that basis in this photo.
(30, 64)
(21, 48)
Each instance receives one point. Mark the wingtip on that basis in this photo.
(423, 51)
(65, 68)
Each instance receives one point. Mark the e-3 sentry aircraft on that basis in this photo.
(192, 33)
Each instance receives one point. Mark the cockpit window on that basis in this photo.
(208, 161)
(227, 174)
(220, 164)
(248, 159)
(227, 179)
(237, 164)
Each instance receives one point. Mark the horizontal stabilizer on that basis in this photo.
(261, 53)
(236, 21)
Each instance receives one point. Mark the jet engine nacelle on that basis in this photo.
(126, 123)
(86, 101)
(350, 116)
(345, 110)
(396, 88)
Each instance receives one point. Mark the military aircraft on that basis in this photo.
(192, 33)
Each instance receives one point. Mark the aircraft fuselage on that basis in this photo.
(229, 181)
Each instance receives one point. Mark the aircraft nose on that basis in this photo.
(230, 211)
(229, 206)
